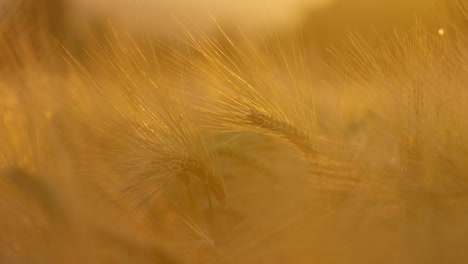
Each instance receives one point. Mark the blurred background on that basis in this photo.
(322, 27)
(322, 22)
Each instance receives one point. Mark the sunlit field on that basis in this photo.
(220, 132)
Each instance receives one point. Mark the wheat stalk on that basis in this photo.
(146, 131)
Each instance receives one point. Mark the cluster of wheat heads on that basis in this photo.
(234, 151)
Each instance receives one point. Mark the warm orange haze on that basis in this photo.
(233, 131)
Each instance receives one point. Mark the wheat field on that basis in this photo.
(288, 146)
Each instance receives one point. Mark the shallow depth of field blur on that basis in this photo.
(302, 131)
